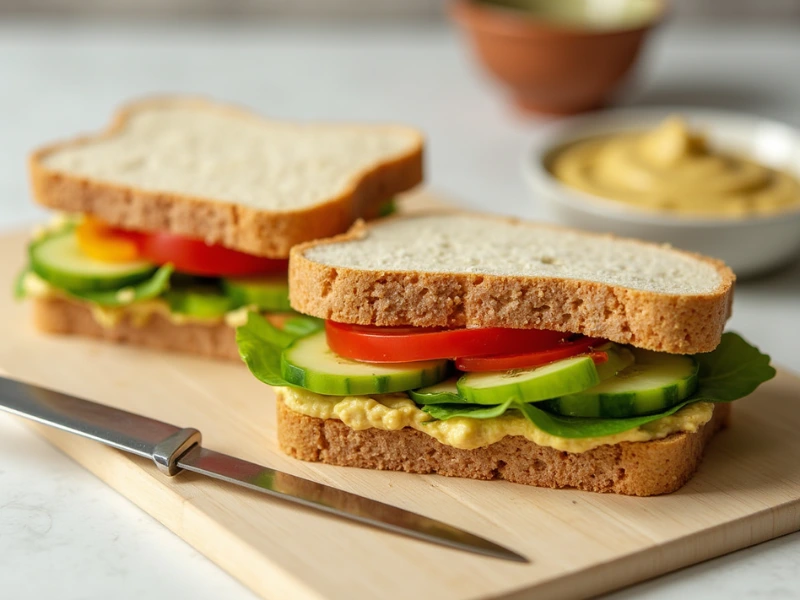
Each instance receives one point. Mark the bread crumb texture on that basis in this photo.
(468, 244)
(632, 468)
(213, 154)
(479, 271)
(227, 176)
(72, 317)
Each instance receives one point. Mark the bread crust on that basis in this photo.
(630, 468)
(679, 324)
(258, 232)
(68, 317)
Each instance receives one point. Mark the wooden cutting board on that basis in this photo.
(747, 490)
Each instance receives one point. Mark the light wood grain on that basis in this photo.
(747, 490)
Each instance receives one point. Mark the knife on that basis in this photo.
(174, 449)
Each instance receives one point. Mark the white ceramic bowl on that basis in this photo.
(749, 246)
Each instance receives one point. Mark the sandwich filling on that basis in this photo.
(130, 275)
(469, 388)
(134, 275)
(393, 412)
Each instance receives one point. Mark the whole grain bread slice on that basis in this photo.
(632, 468)
(204, 170)
(469, 270)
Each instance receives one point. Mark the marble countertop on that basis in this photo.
(63, 532)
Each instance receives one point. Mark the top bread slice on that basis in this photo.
(225, 175)
(468, 270)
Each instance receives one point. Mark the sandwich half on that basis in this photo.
(180, 216)
(483, 347)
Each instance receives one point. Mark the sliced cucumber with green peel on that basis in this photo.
(619, 358)
(266, 293)
(445, 392)
(204, 304)
(529, 385)
(59, 260)
(309, 363)
(655, 382)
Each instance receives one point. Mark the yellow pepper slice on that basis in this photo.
(100, 241)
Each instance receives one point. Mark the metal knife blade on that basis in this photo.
(174, 449)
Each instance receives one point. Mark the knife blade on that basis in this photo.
(175, 449)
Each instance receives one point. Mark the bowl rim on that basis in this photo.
(498, 20)
(536, 174)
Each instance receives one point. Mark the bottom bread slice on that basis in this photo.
(632, 468)
(62, 316)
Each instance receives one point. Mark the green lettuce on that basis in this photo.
(152, 287)
(19, 284)
(301, 325)
(442, 412)
(387, 208)
(732, 371)
(148, 289)
(261, 344)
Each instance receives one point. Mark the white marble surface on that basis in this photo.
(62, 532)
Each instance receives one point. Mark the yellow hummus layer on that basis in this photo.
(392, 412)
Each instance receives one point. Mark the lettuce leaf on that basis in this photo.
(387, 208)
(148, 289)
(732, 371)
(442, 412)
(301, 326)
(19, 284)
(261, 344)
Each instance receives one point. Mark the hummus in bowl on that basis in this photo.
(718, 183)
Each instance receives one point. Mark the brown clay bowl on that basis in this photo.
(550, 67)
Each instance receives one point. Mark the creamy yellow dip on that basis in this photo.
(392, 412)
(674, 169)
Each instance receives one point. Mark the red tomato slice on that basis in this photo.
(407, 344)
(526, 360)
(195, 257)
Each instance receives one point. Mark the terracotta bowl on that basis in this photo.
(551, 68)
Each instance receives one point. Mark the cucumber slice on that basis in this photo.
(200, 303)
(309, 363)
(58, 259)
(652, 384)
(445, 392)
(266, 293)
(619, 358)
(529, 385)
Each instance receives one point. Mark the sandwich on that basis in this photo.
(483, 347)
(178, 219)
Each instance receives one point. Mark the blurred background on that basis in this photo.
(66, 65)
(714, 10)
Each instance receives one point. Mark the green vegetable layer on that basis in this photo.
(734, 370)
(203, 297)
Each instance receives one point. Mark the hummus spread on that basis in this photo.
(674, 169)
(392, 412)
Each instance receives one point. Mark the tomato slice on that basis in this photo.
(188, 255)
(505, 362)
(407, 344)
(195, 257)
